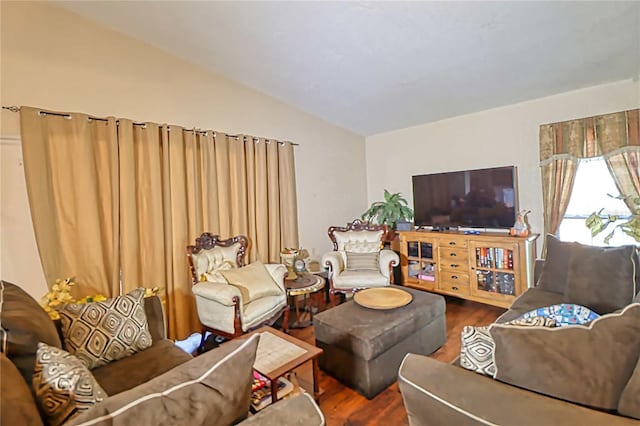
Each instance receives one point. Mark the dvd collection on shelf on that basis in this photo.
(488, 257)
(261, 391)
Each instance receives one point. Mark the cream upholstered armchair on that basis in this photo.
(231, 297)
(358, 260)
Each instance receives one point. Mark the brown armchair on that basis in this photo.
(358, 259)
(221, 306)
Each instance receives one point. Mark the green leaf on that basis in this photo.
(633, 232)
(595, 224)
(608, 237)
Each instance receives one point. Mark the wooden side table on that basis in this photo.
(273, 362)
(305, 284)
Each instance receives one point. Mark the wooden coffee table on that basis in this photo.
(279, 354)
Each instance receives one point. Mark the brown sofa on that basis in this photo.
(542, 372)
(218, 395)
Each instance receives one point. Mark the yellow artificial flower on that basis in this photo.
(65, 285)
(59, 294)
(152, 291)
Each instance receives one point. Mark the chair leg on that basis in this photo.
(333, 298)
(285, 320)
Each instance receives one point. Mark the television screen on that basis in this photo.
(482, 198)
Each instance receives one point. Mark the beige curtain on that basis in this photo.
(288, 200)
(614, 136)
(619, 136)
(143, 192)
(71, 171)
(204, 181)
(557, 181)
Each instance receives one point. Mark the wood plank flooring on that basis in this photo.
(344, 406)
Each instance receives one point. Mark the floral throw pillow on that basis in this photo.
(564, 314)
(535, 321)
(63, 386)
(101, 332)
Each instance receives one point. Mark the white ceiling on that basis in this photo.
(373, 67)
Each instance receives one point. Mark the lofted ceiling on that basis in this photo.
(373, 67)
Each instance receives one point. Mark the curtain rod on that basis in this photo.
(14, 108)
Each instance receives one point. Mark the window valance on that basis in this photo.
(602, 135)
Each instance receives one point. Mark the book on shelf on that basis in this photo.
(261, 391)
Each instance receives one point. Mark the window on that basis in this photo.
(592, 184)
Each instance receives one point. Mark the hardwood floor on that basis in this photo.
(344, 406)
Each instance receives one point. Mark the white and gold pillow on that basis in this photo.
(63, 386)
(253, 281)
(100, 332)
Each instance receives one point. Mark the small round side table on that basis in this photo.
(305, 284)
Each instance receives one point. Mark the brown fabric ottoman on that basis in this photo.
(363, 347)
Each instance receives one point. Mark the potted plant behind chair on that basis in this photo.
(391, 211)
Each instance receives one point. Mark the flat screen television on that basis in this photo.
(481, 198)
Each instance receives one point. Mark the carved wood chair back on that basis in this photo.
(357, 225)
(207, 241)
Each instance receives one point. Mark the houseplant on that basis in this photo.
(597, 222)
(392, 210)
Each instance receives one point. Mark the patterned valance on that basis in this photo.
(596, 136)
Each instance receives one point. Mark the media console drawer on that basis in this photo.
(453, 243)
(454, 278)
(455, 288)
(454, 258)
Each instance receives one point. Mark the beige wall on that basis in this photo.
(57, 60)
(496, 137)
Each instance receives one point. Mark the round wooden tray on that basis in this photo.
(382, 298)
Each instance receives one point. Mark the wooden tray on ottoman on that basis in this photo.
(383, 298)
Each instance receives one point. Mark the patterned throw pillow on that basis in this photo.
(534, 322)
(564, 314)
(363, 261)
(477, 345)
(101, 332)
(62, 384)
(476, 352)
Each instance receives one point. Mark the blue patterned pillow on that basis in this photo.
(564, 314)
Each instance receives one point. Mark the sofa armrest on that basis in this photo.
(223, 294)
(436, 393)
(537, 270)
(155, 318)
(294, 410)
(388, 258)
(277, 272)
(334, 261)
